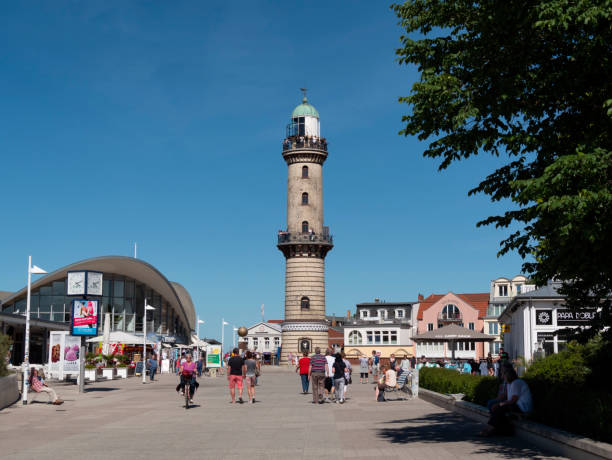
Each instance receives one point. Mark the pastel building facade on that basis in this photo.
(439, 310)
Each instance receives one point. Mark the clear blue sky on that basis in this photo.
(162, 123)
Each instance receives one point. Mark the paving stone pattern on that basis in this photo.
(126, 419)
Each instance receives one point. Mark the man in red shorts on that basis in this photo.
(235, 375)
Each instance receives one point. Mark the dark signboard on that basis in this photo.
(544, 317)
(570, 317)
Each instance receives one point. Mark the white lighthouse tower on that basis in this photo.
(306, 241)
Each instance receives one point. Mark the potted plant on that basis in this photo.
(122, 367)
(108, 371)
(90, 372)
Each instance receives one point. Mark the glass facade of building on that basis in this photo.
(122, 297)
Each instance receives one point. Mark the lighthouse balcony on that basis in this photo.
(305, 244)
(304, 142)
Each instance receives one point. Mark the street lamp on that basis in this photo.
(32, 269)
(144, 342)
(200, 321)
(234, 337)
(223, 324)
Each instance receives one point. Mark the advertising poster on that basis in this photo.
(85, 317)
(213, 356)
(55, 353)
(71, 352)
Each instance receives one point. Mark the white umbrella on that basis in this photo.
(118, 337)
(106, 334)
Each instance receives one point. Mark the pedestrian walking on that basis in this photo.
(364, 368)
(302, 368)
(152, 367)
(329, 375)
(316, 372)
(235, 375)
(348, 371)
(338, 376)
(250, 371)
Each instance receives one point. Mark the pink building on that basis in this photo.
(439, 310)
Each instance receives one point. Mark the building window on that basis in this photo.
(377, 337)
(393, 338)
(451, 312)
(518, 288)
(471, 326)
(385, 337)
(503, 290)
(276, 342)
(304, 172)
(304, 198)
(364, 313)
(496, 347)
(399, 313)
(267, 342)
(255, 342)
(430, 326)
(370, 336)
(355, 338)
(305, 227)
(305, 303)
(493, 328)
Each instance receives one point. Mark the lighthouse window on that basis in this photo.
(305, 227)
(304, 198)
(304, 172)
(305, 303)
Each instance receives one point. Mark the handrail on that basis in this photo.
(304, 143)
(286, 237)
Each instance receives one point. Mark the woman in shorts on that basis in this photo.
(251, 374)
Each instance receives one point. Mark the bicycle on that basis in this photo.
(187, 377)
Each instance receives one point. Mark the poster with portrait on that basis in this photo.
(72, 348)
(55, 353)
(84, 317)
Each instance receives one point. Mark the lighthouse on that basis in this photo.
(306, 240)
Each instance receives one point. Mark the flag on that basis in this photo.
(262, 309)
(225, 323)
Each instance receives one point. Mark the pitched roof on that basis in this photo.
(454, 332)
(478, 300)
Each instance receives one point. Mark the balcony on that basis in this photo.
(304, 238)
(302, 142)
(449, 317)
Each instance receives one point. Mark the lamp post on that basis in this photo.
(32, 269)
(144, 342)
(234, 337)
(223, 324)
(200, 321)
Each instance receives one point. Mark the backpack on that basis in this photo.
(376, 359)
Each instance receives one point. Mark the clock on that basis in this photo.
(94, 283)
(76, 283)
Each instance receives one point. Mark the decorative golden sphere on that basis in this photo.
(242, 331)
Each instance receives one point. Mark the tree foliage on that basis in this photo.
(529, 81)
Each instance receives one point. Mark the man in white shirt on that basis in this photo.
(329, 375)
(518, 400)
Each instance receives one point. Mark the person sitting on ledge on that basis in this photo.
(38, 386)
(518, 400)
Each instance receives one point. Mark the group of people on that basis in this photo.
(330, 375)
(242, 368)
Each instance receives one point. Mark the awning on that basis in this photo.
(453, 333)
(119, 337)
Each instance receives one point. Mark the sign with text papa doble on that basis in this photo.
(84, 317)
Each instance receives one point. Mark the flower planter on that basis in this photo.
(90, 374)
(122, 372)
(108, 373)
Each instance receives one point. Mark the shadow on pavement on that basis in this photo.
(89, 390)
(451, 428)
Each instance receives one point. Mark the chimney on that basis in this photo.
(348, 314)
(421, 298)
(334, 322)
(376, 300)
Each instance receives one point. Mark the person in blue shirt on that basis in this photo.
(467, 369)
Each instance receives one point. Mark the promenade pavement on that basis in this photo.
(124, 419)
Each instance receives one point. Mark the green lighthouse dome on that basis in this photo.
(304, 110)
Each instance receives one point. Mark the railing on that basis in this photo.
(450, 317)
(302, 142)
(286, 237)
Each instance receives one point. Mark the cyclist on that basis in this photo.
(188, 376)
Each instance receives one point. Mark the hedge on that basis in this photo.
(476, 388)
(562, 404)
(5, 344)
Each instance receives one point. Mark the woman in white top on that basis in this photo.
(518, 400)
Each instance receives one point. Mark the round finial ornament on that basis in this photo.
(242, 331)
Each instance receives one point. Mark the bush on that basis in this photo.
(565, 368)
(5, 345)
(476, 388)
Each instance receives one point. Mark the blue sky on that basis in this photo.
(162, 123)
